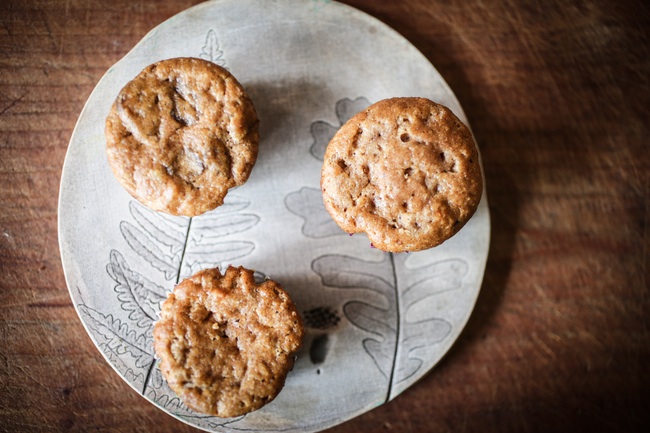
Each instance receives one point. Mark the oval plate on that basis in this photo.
(376, 322)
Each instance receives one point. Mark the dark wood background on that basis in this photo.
(557, 93)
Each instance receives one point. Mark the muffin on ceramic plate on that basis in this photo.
(226, 343)
(181, 134)
(405, 171)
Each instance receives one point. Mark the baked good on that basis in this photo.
(181, 134)
(405, 171)
(226, 343)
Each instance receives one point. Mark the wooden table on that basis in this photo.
(558, 96)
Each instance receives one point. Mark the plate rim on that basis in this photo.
(77, 298)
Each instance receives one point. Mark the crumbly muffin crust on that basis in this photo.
(181, 134)
(405, 171)
(227, 343)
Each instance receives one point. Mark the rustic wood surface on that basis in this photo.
(558, 96)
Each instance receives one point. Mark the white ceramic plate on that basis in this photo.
(376, 322)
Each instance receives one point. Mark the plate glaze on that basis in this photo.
(376, 322)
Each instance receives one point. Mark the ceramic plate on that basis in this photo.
(376, 322)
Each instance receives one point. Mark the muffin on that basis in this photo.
(405, 171)
(226, 343)
(181, 134)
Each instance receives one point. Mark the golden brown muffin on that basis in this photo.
(227, 343)
(181, 134)
(405, 171)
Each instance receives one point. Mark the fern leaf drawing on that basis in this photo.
(180, 246)
(415, 327)
(215, 226)
(213, 255)
(431, 280)
(347, 272)
(117, 337)
(223, 251)
(169, 232)
(322, 132)
(210, 50)
(418, 335)
(307, 203)
(374, 320)
(206, 244)
(138, 295)
(421, 328)
(232, 203)
(148, 249)
(375, 314)
(131, 375)
(167, 400)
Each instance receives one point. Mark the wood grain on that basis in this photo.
(558, 96)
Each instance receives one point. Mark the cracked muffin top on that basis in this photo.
(181, 134)
(226, 343)
(405, 171)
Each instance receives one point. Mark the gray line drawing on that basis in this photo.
(176, 247)
(307, 203)
(211, 51)
(118, 279)
(138, 295)
(375, 314)
(322, 132)
(180, 246)
(386, 315)
(395, 334)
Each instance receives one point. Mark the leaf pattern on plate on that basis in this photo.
(161, 248)
(204, 249)
(322, 132)
(117, 338)
(399, 323)
(180, 246)
(138, 295)
(421, 327)
(176, 247)
(211, 51)
(307, 203)
(374, 314)
(158, 239)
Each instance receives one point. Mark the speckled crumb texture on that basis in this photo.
(405, 171)
(227, 343)
(181, 134)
